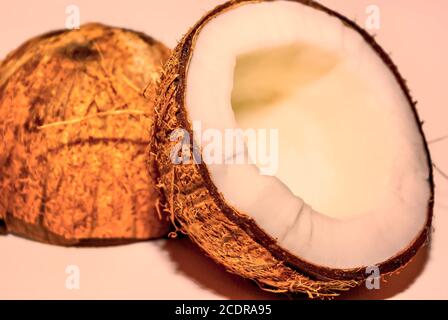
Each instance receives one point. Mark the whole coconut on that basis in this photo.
(76, 109)
(234, 214)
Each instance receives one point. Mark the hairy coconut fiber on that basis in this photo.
(197, 208)
(74, 128)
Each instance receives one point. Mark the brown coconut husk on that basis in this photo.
(75, 113)
(228, 236)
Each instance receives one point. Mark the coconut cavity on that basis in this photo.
(74, 128)
(351, 186)
(331, 126)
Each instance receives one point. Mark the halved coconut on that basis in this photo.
(348, 184)
(74, 128)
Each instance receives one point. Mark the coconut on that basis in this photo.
(74, 128)
(353, 186)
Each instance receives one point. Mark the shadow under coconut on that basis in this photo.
(196, 265)
(395, 283)
(206, 273)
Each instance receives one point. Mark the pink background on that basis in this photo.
(414, 32)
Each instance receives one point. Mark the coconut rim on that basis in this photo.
(184, 53)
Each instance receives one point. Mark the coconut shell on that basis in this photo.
(228, 236)
(74, 128)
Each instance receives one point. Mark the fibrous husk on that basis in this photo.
(74, 128)
(197, 208)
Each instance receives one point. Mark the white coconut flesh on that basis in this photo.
(350, 189)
